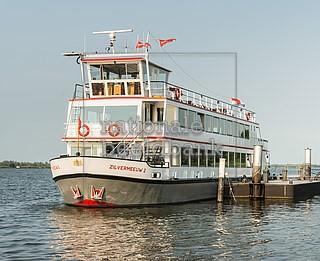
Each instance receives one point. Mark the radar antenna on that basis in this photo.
(112, 36)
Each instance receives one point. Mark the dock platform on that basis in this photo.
(277, 189)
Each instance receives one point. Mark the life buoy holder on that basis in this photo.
(83, 129)
(177, 93)
(114, 129)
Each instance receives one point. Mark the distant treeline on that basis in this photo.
(16, 164)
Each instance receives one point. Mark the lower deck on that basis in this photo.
(181, 160)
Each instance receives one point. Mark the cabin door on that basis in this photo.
(148, 112)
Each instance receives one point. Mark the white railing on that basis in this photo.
(177, 93)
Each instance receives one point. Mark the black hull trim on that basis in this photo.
(135, 180)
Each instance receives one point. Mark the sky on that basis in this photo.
(277, 42)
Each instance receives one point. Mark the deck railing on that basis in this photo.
(180, 94)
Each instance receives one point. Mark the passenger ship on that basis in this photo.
(133, 138)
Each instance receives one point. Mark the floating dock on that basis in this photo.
(275, 189)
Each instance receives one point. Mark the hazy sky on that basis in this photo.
(278, 45)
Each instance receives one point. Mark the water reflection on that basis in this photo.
(34, 225)
(202, 231)
(106, 233)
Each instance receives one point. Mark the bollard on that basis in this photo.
(222, 165)
(256, 170)
(307, 163)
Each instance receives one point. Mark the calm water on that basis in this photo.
(35, 225)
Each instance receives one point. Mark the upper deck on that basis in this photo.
(125, 75)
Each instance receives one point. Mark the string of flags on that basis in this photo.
(162, 42)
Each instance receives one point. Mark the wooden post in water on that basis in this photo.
(256, 171)
(266, 171)
(222, 166)
(307, 163)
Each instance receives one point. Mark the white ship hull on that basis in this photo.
(103, 182)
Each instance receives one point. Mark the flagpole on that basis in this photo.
(236, 74)
(236, 96)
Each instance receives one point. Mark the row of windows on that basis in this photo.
(95, 114)
(199, 121)
(194, 157)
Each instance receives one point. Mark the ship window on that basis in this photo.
(157, 74)
(203, 158)
(237, 160)
(183, 117)
(175, 156)
(95, 71)
(116, 88)
(148, 112)
(234, 129)
(191, 119)
(75, 113)
(225, 156)
(217, 159)
(208, 123)
(76, 149)
(200, 121)
(160, 114)
(243, 160)
(231, 159)
(248, 160)
(98, 89)
(134, 88)
(185, 154)
(93, 114)
(230, 129)
(222, 126)
(241, 131)
(194, 158)
(120, 71)
(246, 132)
(211, 159)
(120, 113)
(215, 122)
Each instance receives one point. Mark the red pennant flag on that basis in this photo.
(140, 44)
(165, 41)
(236, 101)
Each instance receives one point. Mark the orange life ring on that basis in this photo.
(111, 128)
(177, 93)
(81, 127)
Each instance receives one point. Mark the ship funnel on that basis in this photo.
(112, 36)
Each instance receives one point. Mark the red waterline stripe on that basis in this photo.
(93, 203)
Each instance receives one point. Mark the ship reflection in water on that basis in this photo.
(192, 231)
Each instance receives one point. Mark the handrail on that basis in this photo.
(197, 99)
(76, 90)
(200, 94)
